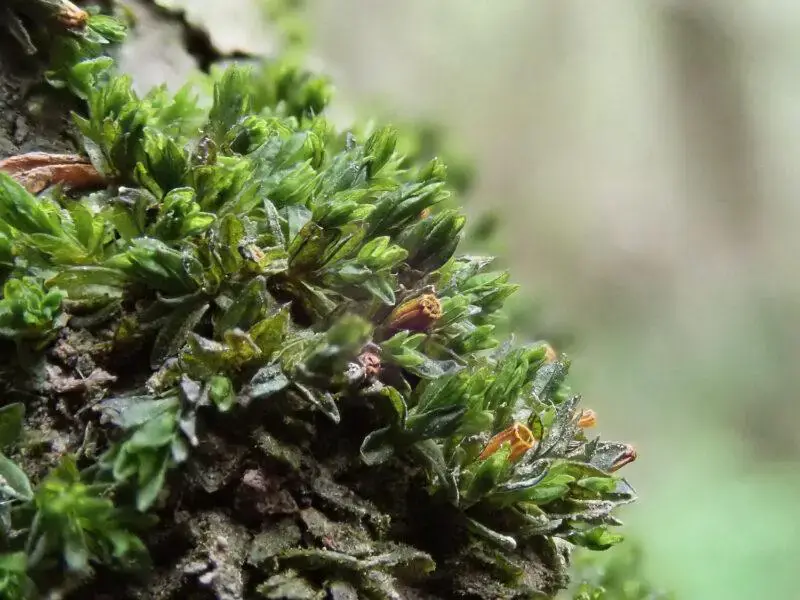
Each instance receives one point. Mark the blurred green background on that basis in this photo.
(640, 158)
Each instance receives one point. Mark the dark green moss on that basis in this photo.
(256, 331)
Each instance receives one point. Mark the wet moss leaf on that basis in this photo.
(307, 247)
(399, 410)
(552, 487)
(165, 164)
(378, 446)
(607, 453)
(433, 369)
(506, 542)
(435, 423)
(228, 236)
(173, 334)
(128, 412)
(517, 487)
(382, 289)
(548, 378)
(149, 489)
(324, 401)
(319, 302)
(379, 149)
(155, 433)
(23, 212)
(536, 426)
(598, 538)
(296, 218)
(577, 469)
(221, 393)
(402, 349)
(89, 282)
(486, 474)
(266, 382)
(155, 264)
(475, 422)
(561, 431)
(247, 307)
(270, 333)
(431, 457)
(14, 482)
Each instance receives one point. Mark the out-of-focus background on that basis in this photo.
(642, 159)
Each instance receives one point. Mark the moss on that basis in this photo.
(254, 330)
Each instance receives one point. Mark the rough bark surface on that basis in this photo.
(32, 116)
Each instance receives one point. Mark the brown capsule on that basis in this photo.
(549, 354)
(417, 314)
(254, 253)
(628, 456)
(426, 212)
(72, 16)
(587, 419)
(371, 363)
(518, 435)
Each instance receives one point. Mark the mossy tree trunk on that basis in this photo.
(259, 483)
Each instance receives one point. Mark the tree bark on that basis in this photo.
(32, 116)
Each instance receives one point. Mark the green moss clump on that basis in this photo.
(258, 333)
